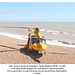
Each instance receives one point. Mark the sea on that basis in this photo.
(56, 33)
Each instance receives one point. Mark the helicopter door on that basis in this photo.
(30, 42)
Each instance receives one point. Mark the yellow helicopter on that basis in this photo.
(36, 41)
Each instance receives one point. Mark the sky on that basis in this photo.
(37, 11)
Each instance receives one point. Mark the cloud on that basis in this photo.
(11, 15)
(3, 9)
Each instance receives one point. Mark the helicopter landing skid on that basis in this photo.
(41, 52)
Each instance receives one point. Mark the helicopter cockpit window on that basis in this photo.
(43, 37)
(43, 41)
(35, 40)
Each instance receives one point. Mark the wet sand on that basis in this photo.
(12, 51)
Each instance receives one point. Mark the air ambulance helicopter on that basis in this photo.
(36, 41)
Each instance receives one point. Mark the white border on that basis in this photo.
(69, 67)
(37, 1)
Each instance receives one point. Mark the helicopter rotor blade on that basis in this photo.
(20, 27)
